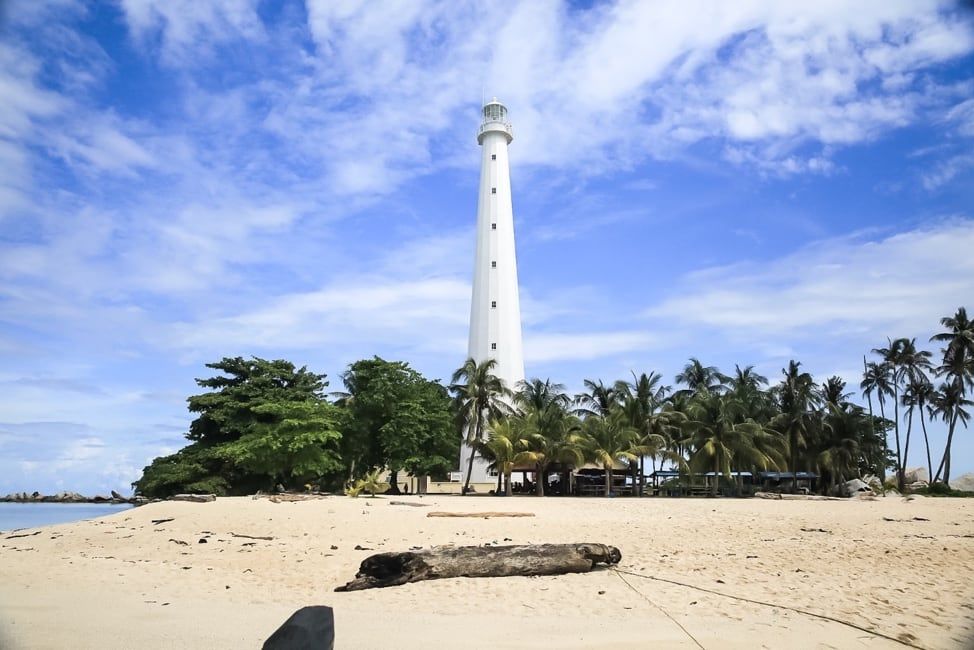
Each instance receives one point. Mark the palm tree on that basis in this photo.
(958, 368)
(875, 378)
(893, 357)
(608, 439)
(833, 391)
(640, 400)
(502, 446)
(959, 351)
(916, 394)
(839, 457)
(720, 440)
(747, 387)
(479, 397)
(697, 376)
(949, 404)
(796, 396)
(548, 427)
(597, 401)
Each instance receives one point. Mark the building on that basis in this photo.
(495, 310)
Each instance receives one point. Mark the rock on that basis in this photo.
(874, 483)
(98, 498)
(964, 483)
(117, 496)
(851, 488)
(915, 475)
(195, 498)
(139, 501)
(309, 628)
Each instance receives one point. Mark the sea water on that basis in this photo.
(32, 515)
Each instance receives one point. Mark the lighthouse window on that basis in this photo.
(493, 265)
(493, 156)
(493, 190)
(493, 304)
(493, 226)
(493, 346)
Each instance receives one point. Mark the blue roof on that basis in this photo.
(787, 475)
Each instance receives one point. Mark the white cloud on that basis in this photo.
(872, 288)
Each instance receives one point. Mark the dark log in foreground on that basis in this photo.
(309, 628)
(390, 569)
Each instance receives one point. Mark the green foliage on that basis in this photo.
(262, 423)
(193, 469)
(397, 419)
(370, 483)
(292, 442)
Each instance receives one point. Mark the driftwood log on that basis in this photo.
(390, 569)
(478, 515)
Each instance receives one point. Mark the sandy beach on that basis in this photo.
(902, 567)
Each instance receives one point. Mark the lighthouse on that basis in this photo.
(495, 310)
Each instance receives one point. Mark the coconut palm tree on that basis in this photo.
(479, 398)
(833, 391)
(843, 427)
(876, 378)
(720, 441)
(608, 439)
(640, 400)
(504, 442)
(950, 406)
(549, 427)
(697, 376)
(747, 387)
(598, 399)
(796, 396)
(549, 440)
(958, 369)
(959, 348)
(917, 392)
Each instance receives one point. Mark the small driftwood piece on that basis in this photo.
(478, 515)
(266, 539)
(194, 498)
(409, 503)
(390, 569)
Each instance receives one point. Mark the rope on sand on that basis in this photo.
(766, 604)
(665, 613)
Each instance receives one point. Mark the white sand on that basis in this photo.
(106, 583)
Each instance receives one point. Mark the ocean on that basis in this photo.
(32, 515)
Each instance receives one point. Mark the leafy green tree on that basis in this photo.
(249, 400)
(478, 397)
(396, 419)
(297, 443)
(227, 410)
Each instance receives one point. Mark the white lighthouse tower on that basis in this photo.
(495, 310)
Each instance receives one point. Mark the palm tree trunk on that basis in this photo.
(794, 462)
(607, 469)
(713, 488)
(882, 414)
(926, 442)
(642, 474)
(507, 488)
(896, 427)
(539, 488)
(473, 451)
(500, 477)
(906, 451)
(945, 461)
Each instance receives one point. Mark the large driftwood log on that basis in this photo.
(389, 569)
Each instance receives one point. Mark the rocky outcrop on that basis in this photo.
(851, 488)
(68, 497)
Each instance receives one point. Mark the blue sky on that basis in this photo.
(742, 182)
